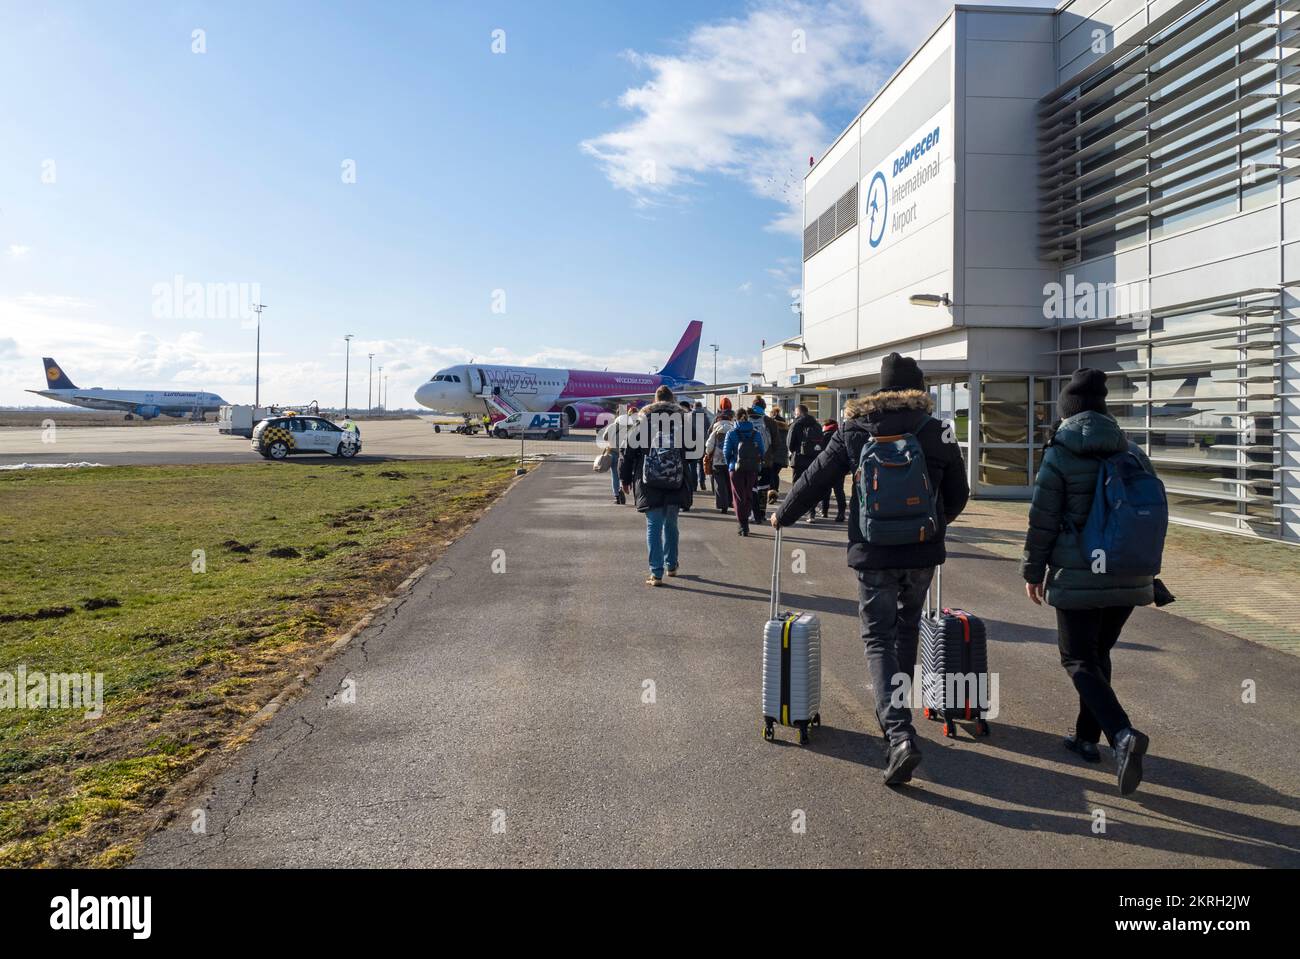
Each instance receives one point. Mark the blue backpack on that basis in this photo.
(896, 500)
(1129, 517)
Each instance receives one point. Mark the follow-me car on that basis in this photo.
(280, 436)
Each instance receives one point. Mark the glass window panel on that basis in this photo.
(961, 411)
(1004, 467)
(1193, 388)
(1209, 445)
(1004, 410)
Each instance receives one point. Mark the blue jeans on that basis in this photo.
(661, 538)
(613, 471)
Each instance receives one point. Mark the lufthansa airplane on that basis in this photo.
(145, 404)
(581, 395)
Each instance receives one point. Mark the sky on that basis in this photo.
(553, 182)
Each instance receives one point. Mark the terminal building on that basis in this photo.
(1106, 184)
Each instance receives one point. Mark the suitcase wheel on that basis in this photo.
(817, 719)
(927, 713)
(767, 731)
(950, 729)
(804, 739)
(981, 728)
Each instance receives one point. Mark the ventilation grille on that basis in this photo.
(833, 223)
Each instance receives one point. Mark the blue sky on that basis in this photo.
(620, 169)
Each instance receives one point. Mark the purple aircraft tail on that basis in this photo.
(681, 365)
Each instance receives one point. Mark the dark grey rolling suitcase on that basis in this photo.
(954, 664)
(792, 664)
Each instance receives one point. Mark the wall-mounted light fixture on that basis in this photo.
(929, 299)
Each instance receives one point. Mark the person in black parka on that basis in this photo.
(892, 580)
(1092, 606)
(805, 443)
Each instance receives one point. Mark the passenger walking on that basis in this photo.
(805, 444)
(1092, 600)
(743, 451)
(699, 433)
(610, 439)
(715, 457)
(779, 429)
(762, 482)
(704, 424)
(653, 468)
(829, 429)
(892, 579)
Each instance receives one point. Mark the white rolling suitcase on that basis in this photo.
(792, 664)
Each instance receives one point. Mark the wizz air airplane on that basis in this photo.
(145, 404)
(581, 395)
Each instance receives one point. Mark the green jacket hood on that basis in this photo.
(1090, 434)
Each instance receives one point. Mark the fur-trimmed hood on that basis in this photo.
(663, 406)
(888, 401)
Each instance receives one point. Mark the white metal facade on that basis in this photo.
(1102, 185)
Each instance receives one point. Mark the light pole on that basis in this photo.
(257, 368)
(714, 348)
(370, 403)
(347, 360)
(381, 389)
(385, 384)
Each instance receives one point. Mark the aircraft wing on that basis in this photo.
(126, 405)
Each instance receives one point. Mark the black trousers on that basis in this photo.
(1085, 638)
(721, 487)
(801, 464)
(838, 490)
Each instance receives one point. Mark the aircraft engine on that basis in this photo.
(585, 416)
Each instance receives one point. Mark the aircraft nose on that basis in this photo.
(427, 395)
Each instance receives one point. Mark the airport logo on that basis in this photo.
(922, 147)
(191, 300)
(75, 912)
(877, 212)
(515, 382)
(896, 196)
(37, 690)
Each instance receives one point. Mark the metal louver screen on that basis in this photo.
(826, 227)
(842, 216)
(846, 211)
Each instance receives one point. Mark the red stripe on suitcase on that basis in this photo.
(965, 632)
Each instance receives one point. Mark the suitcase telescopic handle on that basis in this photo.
(936, 584)
(776, 577)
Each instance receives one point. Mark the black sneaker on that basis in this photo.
(903, 758)
(1130, 746)
(1088, 752)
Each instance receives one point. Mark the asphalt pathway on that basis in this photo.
(561, 713)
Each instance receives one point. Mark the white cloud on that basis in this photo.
(18, 251)
(746, 287)
(745, 97)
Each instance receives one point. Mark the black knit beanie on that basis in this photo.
(1085, 391)
(900, 373)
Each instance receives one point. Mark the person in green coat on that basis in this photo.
(1092, 605)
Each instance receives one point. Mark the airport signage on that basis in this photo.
(913, 185)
